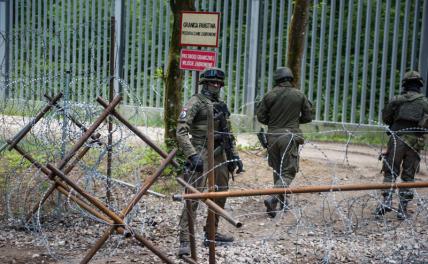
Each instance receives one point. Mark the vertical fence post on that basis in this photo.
(110, 96)
(253, 58)
(423, 62)
(4, 49)
(119, 10)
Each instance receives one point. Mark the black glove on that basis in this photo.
(196, 163)
(238, 163)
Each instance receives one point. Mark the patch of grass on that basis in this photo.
(22, 108)
(145, 157)
(337, 134)
(140, 120)
(12, 159)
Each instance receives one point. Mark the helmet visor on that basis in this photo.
(213, 74)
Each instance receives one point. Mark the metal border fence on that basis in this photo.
(355, 54)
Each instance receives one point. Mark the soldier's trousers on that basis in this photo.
(199, 181)
(402, 155)
(283, 158)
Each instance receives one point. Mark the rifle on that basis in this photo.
(224, 136)
(261, 135)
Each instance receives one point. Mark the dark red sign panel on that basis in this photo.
(197, 60)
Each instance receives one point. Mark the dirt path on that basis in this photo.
(330, 227)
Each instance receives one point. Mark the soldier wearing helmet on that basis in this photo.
(405, 115)
(192, 139)
(412, 81)
(282, 109)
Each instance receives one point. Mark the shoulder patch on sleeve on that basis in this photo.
(183, 113)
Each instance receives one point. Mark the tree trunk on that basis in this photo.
(296, 37)
(174, 76)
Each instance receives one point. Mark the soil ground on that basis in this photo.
(319, 227)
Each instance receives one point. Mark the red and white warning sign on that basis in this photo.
(197, 60)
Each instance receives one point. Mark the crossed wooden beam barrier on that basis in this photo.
(60, 186)
(67, 187)
(86, 135)
(53, 101)
(116, 218)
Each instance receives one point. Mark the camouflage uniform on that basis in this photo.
(403, 114)
(193, 121)
(282, 110)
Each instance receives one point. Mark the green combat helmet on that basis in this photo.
(211, 75)
(283, 74)
(414, 77)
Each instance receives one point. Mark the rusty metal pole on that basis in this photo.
(100, 242)
(137, 132)
(88, 133)
(211, 183)
(110, 119)
(212, 205)
(304, 189)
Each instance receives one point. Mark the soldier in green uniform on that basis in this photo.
(192, 139)
(282, 109)
(405, 115)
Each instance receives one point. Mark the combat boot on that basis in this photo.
(402, 213)
(271, 204)
(219, 238)
(184, 249)
(385, 206)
